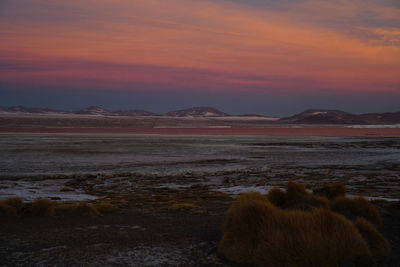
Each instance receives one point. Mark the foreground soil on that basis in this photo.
(145, 232)
(138, 235)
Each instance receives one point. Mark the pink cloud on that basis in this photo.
(198, 44)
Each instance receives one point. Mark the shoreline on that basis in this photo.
(327, 131)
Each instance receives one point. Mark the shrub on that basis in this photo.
(297, 197)
(66, 207)
(15, 202)
(84, 209)
(257, 232)
(241, 227)
(331, 191)
(106, 207)
(7, 210)
(377, 243)
(277, 197)
(41, 207)
(356, 207)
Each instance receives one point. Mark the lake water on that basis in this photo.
(40, 154)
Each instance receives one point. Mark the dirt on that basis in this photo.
(138, 235)
(391, 230)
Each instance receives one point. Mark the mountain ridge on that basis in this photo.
(326, 116)
(197, 112)
(309, 116)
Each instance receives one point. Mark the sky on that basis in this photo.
(241, 56)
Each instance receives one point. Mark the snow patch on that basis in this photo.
(375, 126)
(31, 190)
(220, 126)
(375, 198)
(239, 189)
(247, 118)
(173, 186)
(318, 113)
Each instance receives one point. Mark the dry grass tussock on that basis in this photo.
(105, 207)
(85, 209)
(356, 207)
(277, 197)
(15, 202)
(66, 207)
(297, 197)
(331, 191)
(257, 232)
(298, 228)
(11, 207)
(7, 210)
(41, 207)
(377, 243)
(14, 207)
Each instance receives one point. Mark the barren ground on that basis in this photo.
(146, 176)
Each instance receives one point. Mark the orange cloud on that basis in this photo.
(234, 40)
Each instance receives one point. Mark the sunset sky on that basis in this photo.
(256, 56)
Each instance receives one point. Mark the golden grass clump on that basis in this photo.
(241, 227)
(7, 210)
(277, 197)
(87, 210)
(120, 202)
(331, 191)
(259, 233)
(357, 207)
(15, 202)
(41, 207)
(66, 207)
(182, 207)
(106, 207)
(377, 243)
(297, 197)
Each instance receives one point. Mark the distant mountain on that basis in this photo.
(381, 118)
(310, 116)
(20, 109)
(325, 116)
(322, 116)
(197, 112)
(94, 110)
(255, 115)
(134, 112)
